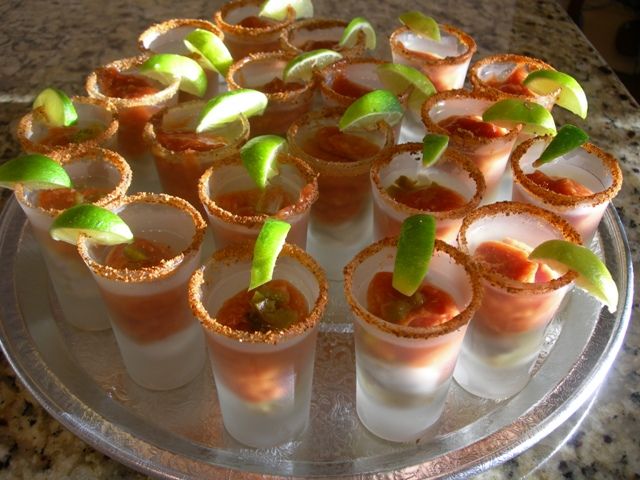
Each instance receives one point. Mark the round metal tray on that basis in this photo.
(80, 379)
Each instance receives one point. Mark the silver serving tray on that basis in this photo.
(80, 379)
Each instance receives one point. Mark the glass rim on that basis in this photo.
(465, 139)
(157, 29)
(234, 29)
(242, 252)
(510, 209)
(302, 204)
(342, 168)
(69, 156)
(450, 155)
(404, 331)
(559, 200)
(275, 97)
(463, 37)
(323, 76)
(26, 123)
(177, 156)
(318, 23)
(166, 267)
(93, 88)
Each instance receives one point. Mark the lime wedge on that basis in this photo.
(97, 223)
(259, 156)
(593, 276)
(351, 33)
(213, 53)
(534, 118)
(302, 66)
(167, 67)
(35, 172)
(421, 24)
(398, 78)
(415, 249)
(568, 138)
(277, 9)
(433, 146)
(226, 107)
(57, 107)
(572, 96)
(371, 108)
(266, 250)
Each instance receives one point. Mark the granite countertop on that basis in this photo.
(57, 43)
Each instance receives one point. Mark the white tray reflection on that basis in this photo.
(80, 380)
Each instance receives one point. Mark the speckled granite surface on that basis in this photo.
(57, 42)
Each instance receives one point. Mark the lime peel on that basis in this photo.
(166, 68)
(228, 106)
(259, 156)
(534, 118)
(302, 66)
(416, 243)
(433, 147)
(421, 24)
(57, 107)
(352, 30)
(371, 108)
(268, 246)
(568, 138)
(212, 51)
(35, 172)
(572, 96)
(99, 224)
(593, 276)
(277, 9)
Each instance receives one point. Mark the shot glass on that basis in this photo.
(403, 373)
(346, 80)
(135, 99)
(230, 198)
(246, 33)
(287, 101)
(181, 155)
(445, 62)
(490, 154)
(588, 165)
(263, 379)
(161, 343)
(96, 127)
(456, 187)
(316, 33)
(168, 37)
(100, 177)
(505, 73)
(504, 337)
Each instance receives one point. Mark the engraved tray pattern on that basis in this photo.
(80, 379)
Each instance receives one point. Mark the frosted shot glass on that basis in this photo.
(588, 165)
(228, 193)
(505, 336)
(403, 373)
(346, 80)
(316, 33)
(100, 177)
(160, 341)
(263, 379)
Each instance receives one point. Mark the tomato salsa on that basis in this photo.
(428, 307)
(61, 136)
(513, 84)
(179, 141)
(473, 125)
(332, 145)
(431, 197)
(342, 85)
(114, 83)
(277, 85)
(139, 254)
(63, 198)
(510, 258)
(254, 201)
(561, 185)
(255, 22)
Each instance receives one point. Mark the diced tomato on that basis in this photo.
(122, 85)
(432, 197)
(561, 185)
(510, 258)
(183, 141)
(473, 125)
(332, 145)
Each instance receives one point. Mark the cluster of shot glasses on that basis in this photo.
(164, 316)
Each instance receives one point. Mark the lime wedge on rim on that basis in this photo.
(57, 107)
(99, 224)
(421, 24)
(433, 147)
(259, 156)
(415, 248)
(371, 108)
(534, 118)
(397, 78)
(213, 53)
(572, 96)
(167, 67)
(226, 107)
(352, 30)
(302, 66)
(568, 138)
(35, 172)
(266, 250)
(593, 276)
(277, 9)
